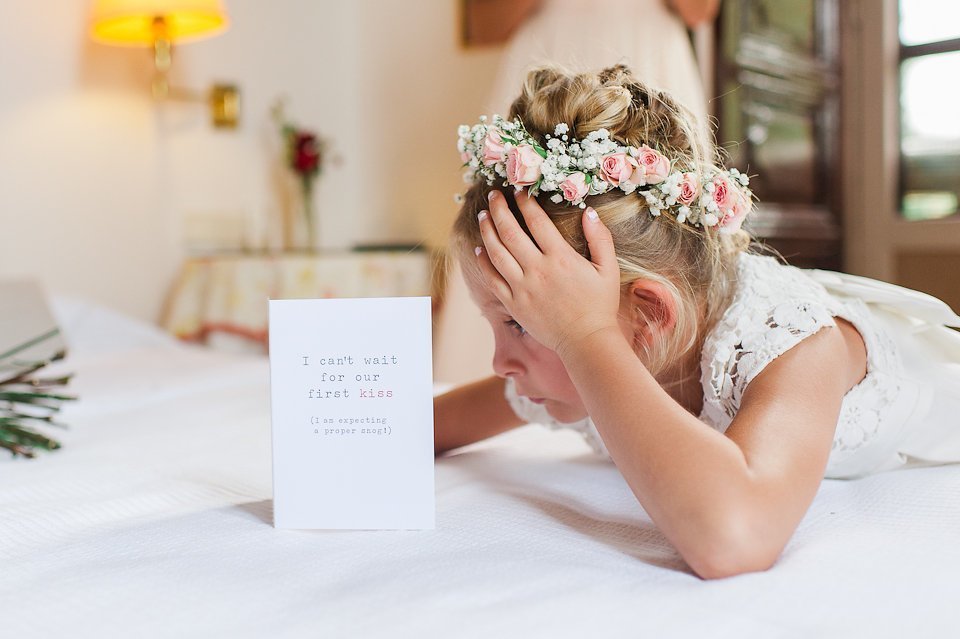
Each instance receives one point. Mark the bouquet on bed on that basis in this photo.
(30, 340)
(28, 401)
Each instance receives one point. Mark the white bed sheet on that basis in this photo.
(155, 520)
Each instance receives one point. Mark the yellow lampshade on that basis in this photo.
(134, 22)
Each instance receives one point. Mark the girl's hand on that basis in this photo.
(558, 297)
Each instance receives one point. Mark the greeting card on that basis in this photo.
(352, 411)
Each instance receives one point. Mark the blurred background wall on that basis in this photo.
(100, 186)
(103, 191)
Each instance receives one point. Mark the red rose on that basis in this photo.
(306, 154)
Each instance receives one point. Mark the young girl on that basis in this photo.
(605, 249)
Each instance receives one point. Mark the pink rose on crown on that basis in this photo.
(689, 189)
(523, 165)
(617, 168)
(652, 167)
(492, 147)
(733, 204)
(575, 187)
(733, 219)
(723, 194)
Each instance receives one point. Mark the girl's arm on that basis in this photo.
(695, 12)
(729, 503)
(470, 413)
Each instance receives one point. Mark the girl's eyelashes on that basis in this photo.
(512, 323)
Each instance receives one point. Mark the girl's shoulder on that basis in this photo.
(773, 308)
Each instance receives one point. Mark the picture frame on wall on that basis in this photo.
(487, 23)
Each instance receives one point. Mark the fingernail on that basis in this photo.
(592, 215)
(481, 216)
(477, 251)
(492, 195)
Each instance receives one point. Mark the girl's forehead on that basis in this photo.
(480, 293)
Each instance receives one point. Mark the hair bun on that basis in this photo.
(617, 74)
(613, 99)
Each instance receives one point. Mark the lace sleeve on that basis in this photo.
(745, 341)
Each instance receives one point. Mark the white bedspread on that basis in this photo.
(155, 520)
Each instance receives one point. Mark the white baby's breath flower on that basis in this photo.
(609, 146)
(709, 219)
(561, 129)
(458, 198)
(556, 198)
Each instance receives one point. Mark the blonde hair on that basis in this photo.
(696, 266)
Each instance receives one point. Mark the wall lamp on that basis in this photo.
(160, 24)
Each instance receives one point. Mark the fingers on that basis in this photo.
(600, 242)
(542, 228)
(492, 278)
(499, 256)
(510, 233)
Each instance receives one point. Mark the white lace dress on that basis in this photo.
(905, 411)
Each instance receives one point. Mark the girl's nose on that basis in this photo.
(505, 361)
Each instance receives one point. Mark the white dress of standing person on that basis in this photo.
(650, 36)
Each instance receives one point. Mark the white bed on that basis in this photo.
(154, 520)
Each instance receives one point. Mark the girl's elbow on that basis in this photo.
(728, 564)
(735, 550)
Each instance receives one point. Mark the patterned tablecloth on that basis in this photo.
(228, 294)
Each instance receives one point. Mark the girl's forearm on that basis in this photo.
(693, 481)
(471, 413)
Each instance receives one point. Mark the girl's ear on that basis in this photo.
(650, 309)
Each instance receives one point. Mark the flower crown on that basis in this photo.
(573, 169)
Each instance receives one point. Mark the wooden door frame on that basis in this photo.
(870, 97)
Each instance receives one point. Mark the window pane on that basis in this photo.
(930, 135)
(929, 21)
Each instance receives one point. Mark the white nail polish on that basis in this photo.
(592, 215)
(481, 216)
